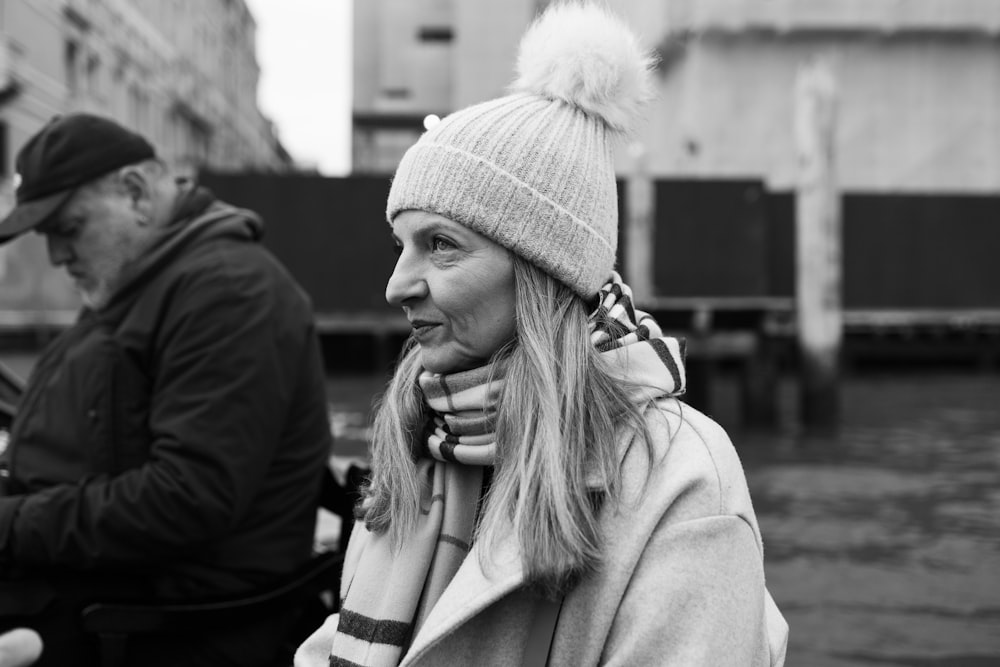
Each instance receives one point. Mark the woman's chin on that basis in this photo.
(430, 363)
(444, 362)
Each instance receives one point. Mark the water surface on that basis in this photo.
(882, 540)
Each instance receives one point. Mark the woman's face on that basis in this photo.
(456, 287)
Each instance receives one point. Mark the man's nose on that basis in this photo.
(60, 251)
(406, 282)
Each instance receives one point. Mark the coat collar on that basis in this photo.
(474, 588)
(471, 590)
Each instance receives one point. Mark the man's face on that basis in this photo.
(95, 235)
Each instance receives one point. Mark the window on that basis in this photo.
(396, 93)
(139, 109)
(94, 74)
(70, 57)
(436, 34)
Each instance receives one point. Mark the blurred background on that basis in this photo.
(813, 202)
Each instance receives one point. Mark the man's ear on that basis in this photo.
(140, 191)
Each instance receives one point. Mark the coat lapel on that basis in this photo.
(470, 591)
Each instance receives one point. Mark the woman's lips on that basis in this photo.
(422, 328)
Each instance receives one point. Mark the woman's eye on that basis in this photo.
(440, 243)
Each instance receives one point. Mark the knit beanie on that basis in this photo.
(533, 170)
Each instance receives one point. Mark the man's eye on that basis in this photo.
(66, 232)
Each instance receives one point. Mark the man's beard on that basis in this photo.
(96, 292)
(103, 277)
(97, 297)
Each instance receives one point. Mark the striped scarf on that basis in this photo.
(463, 421)
(392, 591)
(633, 345)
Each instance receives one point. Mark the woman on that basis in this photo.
(538, 492)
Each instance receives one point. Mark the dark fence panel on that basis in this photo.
(780, 208)
(906, 252)
(711, 239)
(330, 233)
(921, 251)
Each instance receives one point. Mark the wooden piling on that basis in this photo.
(759, 382)
(638, 232)
(818, 246)
(701, 363)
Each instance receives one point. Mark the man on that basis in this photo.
(171, 443)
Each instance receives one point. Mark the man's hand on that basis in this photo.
(19, 647)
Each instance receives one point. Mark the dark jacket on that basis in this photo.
(178, 435)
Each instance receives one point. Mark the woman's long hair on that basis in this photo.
(560, 423)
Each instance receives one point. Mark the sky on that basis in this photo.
(304, 53)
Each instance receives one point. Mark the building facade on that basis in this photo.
(414, 58)
(918, 84)
(181, 72)
(917, 89)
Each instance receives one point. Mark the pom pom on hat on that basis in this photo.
(585, 56)
(533, 170)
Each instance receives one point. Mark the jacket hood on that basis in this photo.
(198, 217)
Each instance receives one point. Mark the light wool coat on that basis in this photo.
(682, 580)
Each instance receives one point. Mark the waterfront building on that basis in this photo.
(918, 84)
(182, 72)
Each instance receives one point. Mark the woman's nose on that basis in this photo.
(406, 282)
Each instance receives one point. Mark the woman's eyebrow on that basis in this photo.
(424, 229)
(455, 230)
(421, 230)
